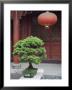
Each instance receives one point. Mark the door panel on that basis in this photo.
(53, 50)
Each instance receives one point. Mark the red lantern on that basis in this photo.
(47, 19)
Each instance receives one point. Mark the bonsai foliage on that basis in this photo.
(30, 50)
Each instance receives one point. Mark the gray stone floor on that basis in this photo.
(51, 71)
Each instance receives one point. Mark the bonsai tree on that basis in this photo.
(30, 50)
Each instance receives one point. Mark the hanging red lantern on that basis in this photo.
(47, 19)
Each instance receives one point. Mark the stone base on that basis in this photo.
(37, 76)
(16, 66)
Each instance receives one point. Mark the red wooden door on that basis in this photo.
(53, 50)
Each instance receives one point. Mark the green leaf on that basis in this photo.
(30, 49)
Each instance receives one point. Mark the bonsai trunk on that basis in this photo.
(30, 65)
